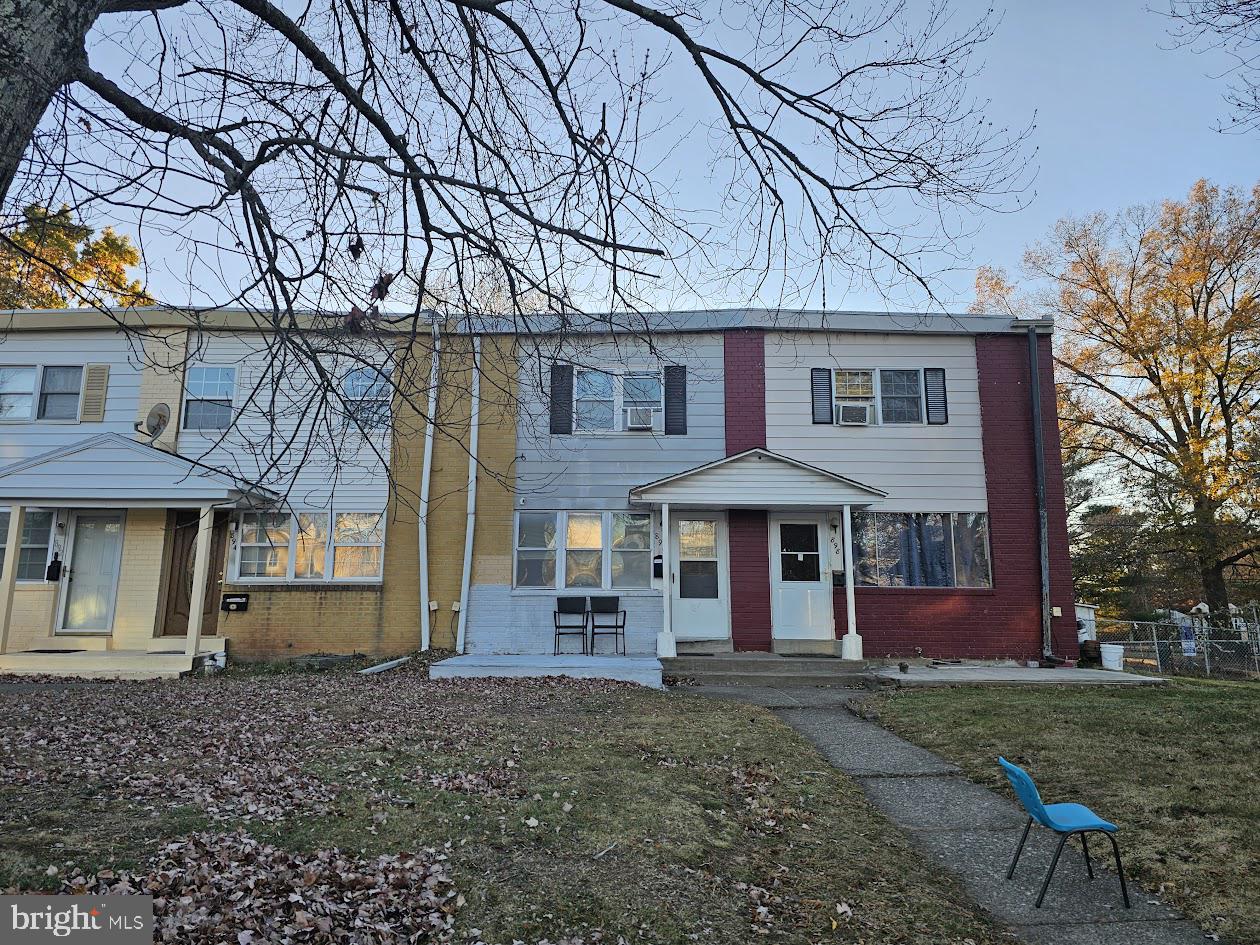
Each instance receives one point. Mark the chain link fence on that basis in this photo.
(1191, 648)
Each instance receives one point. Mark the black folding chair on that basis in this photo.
(571, 619)
(608, 620)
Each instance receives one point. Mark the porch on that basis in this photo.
(114, 555)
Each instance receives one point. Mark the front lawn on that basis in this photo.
(1177, 767)
(453, 811)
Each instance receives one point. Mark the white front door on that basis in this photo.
(800, 578)
(701, 605)
(91, 573)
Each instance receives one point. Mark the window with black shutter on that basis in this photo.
(820, 394)
(562, 398)
(934, 394)
(675, 400)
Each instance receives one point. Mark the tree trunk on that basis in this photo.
(1209, 548)
(1215, 594)
(41, 44)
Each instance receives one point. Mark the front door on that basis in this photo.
(181, 526)
(91, 572)
(701, 605)
(800, 578)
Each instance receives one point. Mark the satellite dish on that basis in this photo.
(159, 416)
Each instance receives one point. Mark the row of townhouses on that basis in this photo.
(857, 484)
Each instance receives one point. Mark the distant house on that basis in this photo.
(851, 483)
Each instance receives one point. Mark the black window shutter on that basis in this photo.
(562, 398)
(820, 394)
(675, 399)
(934, 389)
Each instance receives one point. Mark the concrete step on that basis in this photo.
(761, 663)
(777, 680)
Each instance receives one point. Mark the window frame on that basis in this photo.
(330, 545)
(562, 550)
(876, 399)
(619, 400)
(951, 521)
(54, 518)
(188, 398)
(37, 391)
(351, 421)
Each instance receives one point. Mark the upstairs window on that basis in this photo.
(642, 402)
(365, 394)
(593, 401)
(901, 396)
(208, 393)
(17, 392)
(59, 392)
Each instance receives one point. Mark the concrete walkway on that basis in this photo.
(972, 832)
(963, 674)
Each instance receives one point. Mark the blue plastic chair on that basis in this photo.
(1063, 819)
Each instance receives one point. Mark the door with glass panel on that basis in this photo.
(91, 573)
(701, 605)
(800, 578)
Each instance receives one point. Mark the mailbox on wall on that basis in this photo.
(236, 603)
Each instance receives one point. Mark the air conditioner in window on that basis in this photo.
(639, 418)
(855, 414)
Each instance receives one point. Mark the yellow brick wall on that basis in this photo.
(34, 609)
(139, 579)
(496, 449)
(162, 381)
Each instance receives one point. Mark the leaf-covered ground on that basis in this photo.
(1176, 766)
(331, 807)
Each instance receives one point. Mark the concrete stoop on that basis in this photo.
(768, 670)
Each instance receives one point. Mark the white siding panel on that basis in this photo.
(597, 471)
(21, 440)
(759, 482)
(921, 467)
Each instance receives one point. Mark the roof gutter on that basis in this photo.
(426, 476)
(1039, 460)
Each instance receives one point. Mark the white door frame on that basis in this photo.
(722, 629)
(68, 566)
(822, 589)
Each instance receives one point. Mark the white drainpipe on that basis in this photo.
(471, 520)
(425, 476)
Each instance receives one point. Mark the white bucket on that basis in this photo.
(1112, 655)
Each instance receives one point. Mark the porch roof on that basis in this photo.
(114, 471)
(757, 478)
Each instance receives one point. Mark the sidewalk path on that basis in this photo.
(972, 832)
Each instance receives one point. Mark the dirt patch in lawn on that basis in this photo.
(1175, 766)
(549, 809)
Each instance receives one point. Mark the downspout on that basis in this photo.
(471, 515)
(425, 477)
(1043, 519)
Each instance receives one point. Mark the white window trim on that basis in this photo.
(329, 550)
(878, 401)
(52, 538)
(183, 404)
(38, 388)
(561, 550)
(618, 400)
(953, 554)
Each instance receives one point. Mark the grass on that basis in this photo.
(566, 809)
(1176, 767)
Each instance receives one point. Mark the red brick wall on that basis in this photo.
(744, 360)
(748, 539)
(1003, 621)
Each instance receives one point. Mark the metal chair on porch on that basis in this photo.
(571, 618)
(607, 619)
(1063, 819)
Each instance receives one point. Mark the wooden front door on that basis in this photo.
(181, 525)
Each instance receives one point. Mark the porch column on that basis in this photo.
(665, 645)
(8, 577)
(200, 578)
(851, 644)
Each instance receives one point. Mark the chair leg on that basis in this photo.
(1050, 872)
(1019, 849)
(1124, 889)
(1089, 867)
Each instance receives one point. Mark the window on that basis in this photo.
(921, 549)
(900, 396)
(32, 545)
(855, 385)
(208, 395)
(642, 402)
(358, 542)
(697, 559)
(277, 546)
(799, 556)
(536, 549)
(593, 407)
(17, 392)
(59, 392)
(365, 394)
(595, 550)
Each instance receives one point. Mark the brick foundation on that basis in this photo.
(1004, 621)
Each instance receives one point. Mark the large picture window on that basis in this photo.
(310, 546)
(583, 550)
(921, 549)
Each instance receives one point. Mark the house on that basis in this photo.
(863, 484)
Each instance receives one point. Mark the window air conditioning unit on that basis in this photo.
(639, 418)
(855, 414)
